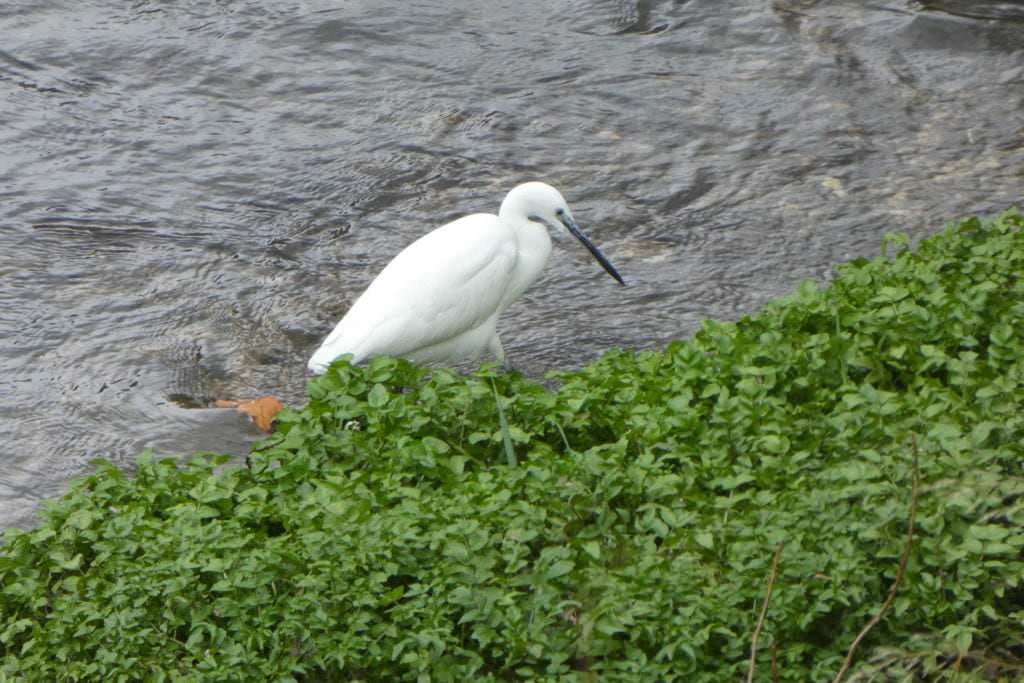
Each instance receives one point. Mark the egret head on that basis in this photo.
(538, 202)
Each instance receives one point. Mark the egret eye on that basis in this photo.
(560, 212)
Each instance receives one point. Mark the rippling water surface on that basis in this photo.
(193, 192)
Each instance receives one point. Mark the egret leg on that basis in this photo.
(498, 351)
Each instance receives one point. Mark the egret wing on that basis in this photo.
(448, 282)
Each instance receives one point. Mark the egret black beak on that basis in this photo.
(605, 263)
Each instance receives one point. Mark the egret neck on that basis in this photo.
(534, 247)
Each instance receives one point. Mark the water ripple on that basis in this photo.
(192, 193)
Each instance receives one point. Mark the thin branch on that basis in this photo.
(901, 569)
(764, 610)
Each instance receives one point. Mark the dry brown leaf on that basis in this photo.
(262, 411)
(225, 403)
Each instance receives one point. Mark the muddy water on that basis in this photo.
(192, 193)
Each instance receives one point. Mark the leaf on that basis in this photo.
(378, 396)
(81, 519)
(981, 432)
(559, 568)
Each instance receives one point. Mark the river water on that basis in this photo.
(192, 192)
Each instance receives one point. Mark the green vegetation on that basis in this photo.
(387, 534)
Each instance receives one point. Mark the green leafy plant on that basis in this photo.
(384, 534)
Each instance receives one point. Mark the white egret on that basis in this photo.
(439, 300)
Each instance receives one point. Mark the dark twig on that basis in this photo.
(764, 610)
(901, 569)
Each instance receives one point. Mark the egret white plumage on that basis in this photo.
(439, 300)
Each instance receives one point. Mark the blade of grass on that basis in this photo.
(510, 454)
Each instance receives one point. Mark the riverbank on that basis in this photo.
(620, 527)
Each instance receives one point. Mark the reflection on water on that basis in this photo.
(191, 194)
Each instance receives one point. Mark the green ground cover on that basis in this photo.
(384, 534)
